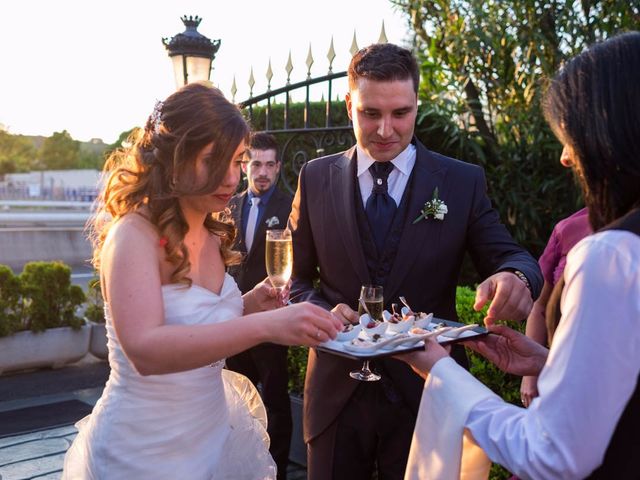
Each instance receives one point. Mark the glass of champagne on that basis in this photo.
(372, 302)
(279, 258)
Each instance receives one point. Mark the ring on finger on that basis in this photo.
(318, 334)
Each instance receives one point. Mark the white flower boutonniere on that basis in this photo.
(272, 222)
(434, 207)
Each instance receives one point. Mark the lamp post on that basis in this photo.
(191, 52)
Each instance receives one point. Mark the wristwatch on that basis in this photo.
(522, 277)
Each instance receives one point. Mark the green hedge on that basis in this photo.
(40, 297)
(95, 303)
(10, 306)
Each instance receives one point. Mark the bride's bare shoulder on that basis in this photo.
(133, 230)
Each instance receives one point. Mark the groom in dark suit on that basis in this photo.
(354, 222)
(259, 208)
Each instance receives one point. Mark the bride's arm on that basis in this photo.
(130, 269)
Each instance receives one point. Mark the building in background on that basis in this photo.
(70, 185)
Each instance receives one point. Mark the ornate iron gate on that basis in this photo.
(300, 143)
(311, 136)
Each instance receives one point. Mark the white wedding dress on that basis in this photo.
(206, 423)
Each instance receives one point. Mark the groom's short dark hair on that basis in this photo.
(383, 62)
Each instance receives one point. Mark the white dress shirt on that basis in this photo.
(589, 376)
(398, 177)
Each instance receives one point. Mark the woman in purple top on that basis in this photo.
(565, 235)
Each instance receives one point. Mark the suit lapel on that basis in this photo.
(342, 185)
(427, 175)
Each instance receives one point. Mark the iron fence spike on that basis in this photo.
(354, 45)
(289, 68)
(383, 35)
(234, 90)
(252, 82)
(269, 75)
(331, 55)
(309, 61)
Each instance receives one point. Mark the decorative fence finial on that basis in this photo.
(331, 54)
(289, 68)
(269, 75)
(234, 90)
(354, 45)
(309, 62)
(383, 35)
(252, 82)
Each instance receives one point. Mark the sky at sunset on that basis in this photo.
(96, 68)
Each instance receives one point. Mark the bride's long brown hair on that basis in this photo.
(158, 166)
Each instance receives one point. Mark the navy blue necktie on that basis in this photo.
(380, 206)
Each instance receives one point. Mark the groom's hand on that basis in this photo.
(510, 298)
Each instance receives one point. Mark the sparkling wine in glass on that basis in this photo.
(279, 257)
(371, 302)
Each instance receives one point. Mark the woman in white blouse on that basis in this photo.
(585, 422)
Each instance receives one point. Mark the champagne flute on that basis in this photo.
(279, 258)
(371, 302)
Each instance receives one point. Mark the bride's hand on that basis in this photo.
(265, 297)
(304, 324)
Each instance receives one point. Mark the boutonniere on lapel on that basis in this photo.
(434, 207)
(272, 222)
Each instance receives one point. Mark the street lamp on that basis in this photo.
(191, 52)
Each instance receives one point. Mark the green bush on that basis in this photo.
(50, 300)
(505, 385)
(297, 367)
(10, 304)
(95, 303)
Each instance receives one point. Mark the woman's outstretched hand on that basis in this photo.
(511, 351)
(304, 324)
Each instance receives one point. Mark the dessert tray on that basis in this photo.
(396, 334)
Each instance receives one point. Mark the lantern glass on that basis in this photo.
(198, 69)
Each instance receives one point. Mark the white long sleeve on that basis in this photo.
(590, 374)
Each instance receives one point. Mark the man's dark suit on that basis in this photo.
(425, 270)
(267, 363)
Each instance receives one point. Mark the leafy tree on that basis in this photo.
(60, 152)
(119, 143)
(17, 153)
(484, 64)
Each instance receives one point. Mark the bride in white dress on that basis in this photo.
(173, 315)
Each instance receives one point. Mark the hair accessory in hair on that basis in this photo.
(163, 241)
(156, 116)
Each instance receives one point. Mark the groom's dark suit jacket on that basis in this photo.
(328, 244)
